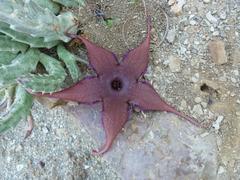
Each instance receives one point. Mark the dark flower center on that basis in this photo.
(116, 84)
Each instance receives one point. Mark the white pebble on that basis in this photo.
(197, 109)
(217, 123)
(211, 18)
(198, 99)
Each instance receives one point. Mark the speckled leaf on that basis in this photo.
(37, 42)
(54, 7)
(70, 60)
(21, 65)
(20, 109)
(6, 57)
(71, 3)
(46, 83)
(28, 17)
(6, 44)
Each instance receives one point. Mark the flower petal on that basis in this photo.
(136, 60)
(85, 91)
(147, 98)
(115, 115)
(101, 60)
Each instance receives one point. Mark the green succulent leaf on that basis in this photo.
(54, 7)
(28, 17)
(70, 60)
(35, 42)
(6, 44)
(24, 63)
(46, 83)
(20, 109)
(71, 3)
(6, 58)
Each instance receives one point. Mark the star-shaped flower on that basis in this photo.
(118, 86)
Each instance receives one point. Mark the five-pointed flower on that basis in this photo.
(118, 86)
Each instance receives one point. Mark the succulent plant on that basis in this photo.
(26, 25)
(26, 16)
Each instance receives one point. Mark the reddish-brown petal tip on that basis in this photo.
(136, 60)
(115, 115)
(147, 98)
(87, 90)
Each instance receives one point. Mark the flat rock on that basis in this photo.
(217, 51)
(163, 146)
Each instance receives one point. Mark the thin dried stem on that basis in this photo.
(30, 126)
(167, 26)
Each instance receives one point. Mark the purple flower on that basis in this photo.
(118, 86)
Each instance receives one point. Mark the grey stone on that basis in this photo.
(163, 146)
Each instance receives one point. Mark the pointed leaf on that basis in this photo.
(46, 83)
(6, 57)
(6, 44)
(70, 60)
(55, 8)
(21, 65)
(20, 109)
(24, 38)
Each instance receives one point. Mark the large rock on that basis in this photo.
(162, 147)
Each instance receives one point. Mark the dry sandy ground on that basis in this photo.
(186, 68)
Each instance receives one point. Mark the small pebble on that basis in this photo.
(174, 64)
(177, 6)
(198, 99)
(206, 1)
(197, 109)
(217, 51)
(217, 123)
(195, 78)
(211, 18)
(19, 167)
(223, 15)
(221, 170)
(216, 33)
(45, 130)
(171, 35)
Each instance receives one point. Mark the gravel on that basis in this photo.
(58, 148)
